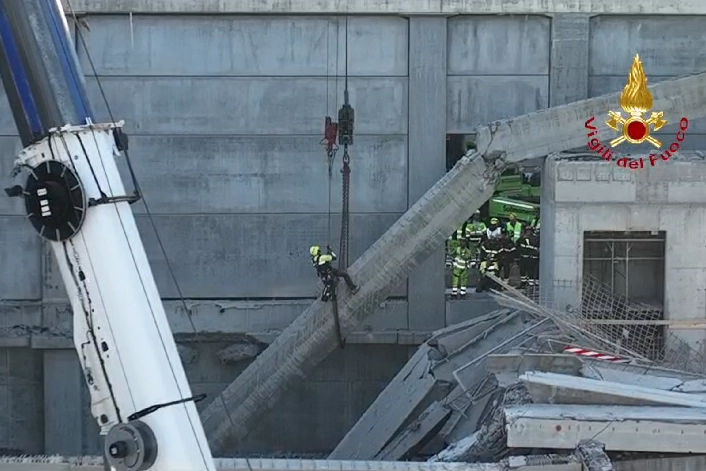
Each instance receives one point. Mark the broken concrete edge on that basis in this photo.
(558, 382)
(519, 140)
(606, 413)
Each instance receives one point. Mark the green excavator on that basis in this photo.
(516, 192)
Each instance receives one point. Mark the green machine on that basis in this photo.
(516, 193)
(502, 208)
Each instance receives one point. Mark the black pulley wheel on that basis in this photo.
(55, 201)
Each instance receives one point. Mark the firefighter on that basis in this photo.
(475, 230)
(526, 251)
(514, 228)
(454, 242)
(535, 223)
(506, 256)
(326, 271)
(533, 267)
(488, 264)
(494, 230)
(462, 260)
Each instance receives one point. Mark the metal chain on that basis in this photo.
(345, 228)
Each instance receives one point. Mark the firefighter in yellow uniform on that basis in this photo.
(462, 260)
(454, 242)
(475, 230)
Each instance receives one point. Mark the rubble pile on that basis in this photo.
(501, 388)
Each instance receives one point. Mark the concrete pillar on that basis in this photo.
(63, 416)
(426, 157)
(568, 74)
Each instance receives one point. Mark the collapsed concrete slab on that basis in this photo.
(562, 389)
(421, 231)
(619, 428)
(508, 368)
(435, 361)
(415, 433)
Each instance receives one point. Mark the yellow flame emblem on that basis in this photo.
(636, 100)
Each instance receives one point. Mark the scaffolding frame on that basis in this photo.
(592, 237)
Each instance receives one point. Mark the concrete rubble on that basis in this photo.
(500, 389)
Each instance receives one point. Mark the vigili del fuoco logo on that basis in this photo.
(635, 128)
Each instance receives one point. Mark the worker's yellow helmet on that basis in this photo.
(315, 250)
(494, 221)
(512, 215)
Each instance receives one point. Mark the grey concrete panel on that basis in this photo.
(488, 45)
(569, 59)
(400, 7)
(251, 106)
(267, 316)
(21, 404)
(245, 46)
(669, 46)
(600, 85)
(427, 156)
(248, 256)
(282, 174)
(346, 383)
(20, 259)
(63, 414)
(477, 305)
(472, 101)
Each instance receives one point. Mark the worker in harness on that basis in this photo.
(462, 260)
(328, 274)
(489, 264)
(494, 231)
(475, 230)
(514, 228)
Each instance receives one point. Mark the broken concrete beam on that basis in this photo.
(593, 456)
(420, 232)
(93, 463)
(620, 428)
(563, 389)
(415, 433)
(488, 443)
(238, 352)
(648, 378)
(507, 367)
(562, 128)
(389, 411)
(456, 336)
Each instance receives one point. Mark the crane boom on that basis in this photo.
(75, 199)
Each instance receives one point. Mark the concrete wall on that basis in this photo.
(225, 116)
(596, 196)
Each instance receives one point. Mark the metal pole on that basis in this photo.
(39, 68)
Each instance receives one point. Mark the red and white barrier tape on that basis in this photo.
(593, 354)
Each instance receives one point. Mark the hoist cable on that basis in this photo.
(182, 396)
(329, 154)
(345, 171)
